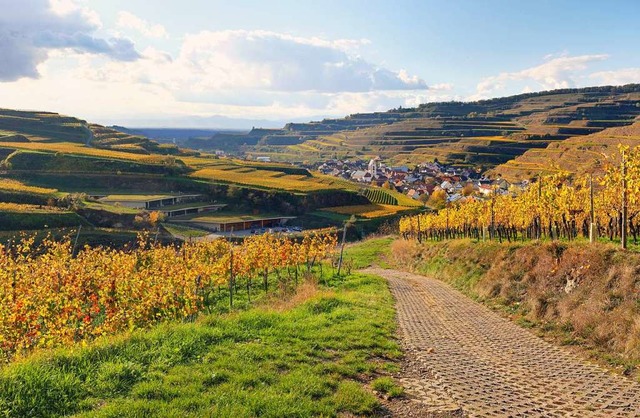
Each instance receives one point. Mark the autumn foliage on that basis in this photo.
(557, 206)
(50, 296)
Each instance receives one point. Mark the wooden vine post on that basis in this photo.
(592, 225)
(623, 231)
(344, 238)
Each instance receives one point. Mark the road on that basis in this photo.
(464, 358)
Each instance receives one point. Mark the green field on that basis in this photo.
(226, 217)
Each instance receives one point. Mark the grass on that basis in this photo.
(387, 386)
(370, 252)
(80, 149)
(227, 217)
(15, 217)
(181, 231)
(264, 179)
(314, 355)
(26, 208)
(367, 211)
(135, 197)
(117, 209)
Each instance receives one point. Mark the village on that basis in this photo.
(447, 183)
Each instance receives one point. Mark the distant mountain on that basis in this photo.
(215, 122)
(175, 135)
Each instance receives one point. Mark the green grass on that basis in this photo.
(117, 209)
(136, 197)
(313, 359)
(387, 386)
(333, 216)
(184, 231)
(18, 221)
(369, 252)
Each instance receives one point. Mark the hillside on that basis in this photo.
(486, 133)
(575, 155)
(55, 170)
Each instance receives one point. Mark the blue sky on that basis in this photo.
(181, 63)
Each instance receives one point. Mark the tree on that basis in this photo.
(468, 189)
(155, 217)
(388, 185)
(438, 199)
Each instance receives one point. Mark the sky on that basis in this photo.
(224, 64)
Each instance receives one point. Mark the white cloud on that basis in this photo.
(70, 7)
(128, 20)
(441, 87)
(555, 73)
(259, 74)
(281, 62)
(30, 29)
(617, 77)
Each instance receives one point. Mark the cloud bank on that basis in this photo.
(30, 29)
(556, 72)
(61, 54)
(279, 62)
(128, 20)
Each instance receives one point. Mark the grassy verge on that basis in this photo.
(317, 354)
(369, 252)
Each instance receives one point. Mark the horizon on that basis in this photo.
(229, 67)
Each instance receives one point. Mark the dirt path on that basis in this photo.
(462, 356)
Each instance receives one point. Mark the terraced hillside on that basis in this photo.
(21, 126)
(48, 128)
(487, 133)
(575, 155)
(108, 138)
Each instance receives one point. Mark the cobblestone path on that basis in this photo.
(463, 357)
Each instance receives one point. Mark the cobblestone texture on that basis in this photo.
(475, 360)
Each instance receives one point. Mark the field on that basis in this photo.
(367, 211)
(255, 176)
(15, 216)
(184, 232)
(227, 217)
(67, 157)
(80, 149)
(388, 197)
(26, 208)
(17, 186)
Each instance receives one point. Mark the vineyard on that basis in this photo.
(379, 196)
(10, 185)
(270, 177)
(54, 295)
(555, 207)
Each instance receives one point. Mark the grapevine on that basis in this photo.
(554, 207)
(51, 297)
